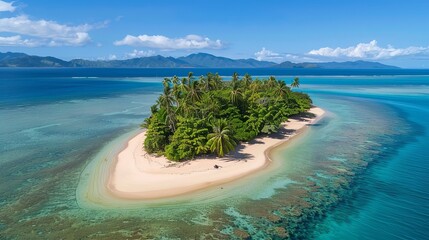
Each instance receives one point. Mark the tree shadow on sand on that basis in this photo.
(305, 116)
(282, 133)
(238, 155)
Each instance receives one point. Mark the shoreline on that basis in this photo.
(136, 175)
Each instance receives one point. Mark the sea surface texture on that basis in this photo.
(362, 172)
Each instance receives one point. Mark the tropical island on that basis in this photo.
(195, 117)
(201, 134)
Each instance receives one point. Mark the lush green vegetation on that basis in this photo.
(209, 115)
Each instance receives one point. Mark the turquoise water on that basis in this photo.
(391, 198)
(361, 173)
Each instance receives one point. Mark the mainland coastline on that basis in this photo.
(136, 175)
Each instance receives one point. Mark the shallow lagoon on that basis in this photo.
(357, 174)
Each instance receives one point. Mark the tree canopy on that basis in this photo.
(208, 115)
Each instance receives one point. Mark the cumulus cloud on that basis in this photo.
(369, 50)
(267, 55)
(45, 32)
(140, 53)
(27, 32)
(6, 6)
(166, 43)
(17, 41)
(300, 58)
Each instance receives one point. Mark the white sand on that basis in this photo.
(138, 175)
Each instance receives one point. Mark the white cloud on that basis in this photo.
(45, 32)
(368, 51)
(112, 57)
(6, 6)
(165, 43)
(17, 41)
(267, 55)
(136, 53)
(299, 58)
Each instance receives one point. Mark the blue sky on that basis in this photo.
(393, 32)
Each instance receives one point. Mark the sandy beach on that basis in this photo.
(137, 175)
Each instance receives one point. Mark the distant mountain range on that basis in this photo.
(197, 60)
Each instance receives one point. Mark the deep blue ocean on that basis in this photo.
(375, 136)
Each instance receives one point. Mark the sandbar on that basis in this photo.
(135, 174)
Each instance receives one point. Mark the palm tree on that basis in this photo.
(194, 92)
(271, 81)
(176, 94)
(247, 80)
(184, 108)
(166, 98)
(208, 106)
(234, 77)
(166, 82)
(204, 83)
(190, 78)
(183, 86)
(221, 140)
(255, 86)
(216, 82)
(295, 82)
(171, 119)
(175, 80)
(176, 90)
(281, 89)
(235, 94)
(166, 101)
